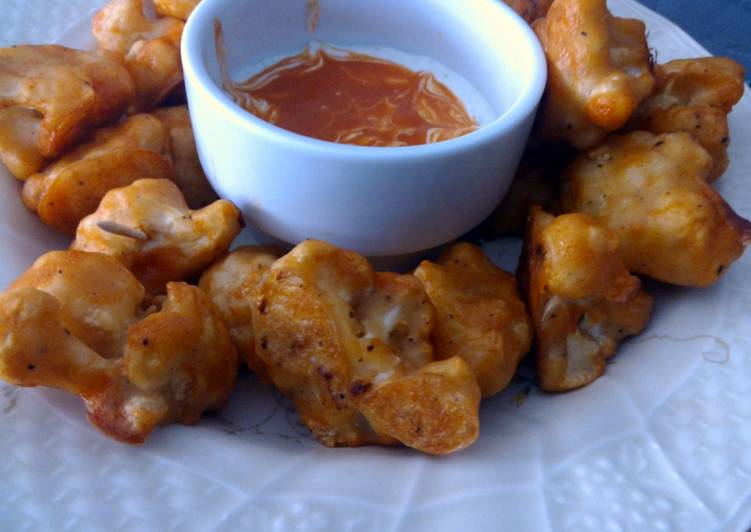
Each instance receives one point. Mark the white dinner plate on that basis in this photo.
(661, 442)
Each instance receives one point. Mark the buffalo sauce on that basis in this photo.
(352, 98)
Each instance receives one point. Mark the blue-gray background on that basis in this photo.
(721, 26)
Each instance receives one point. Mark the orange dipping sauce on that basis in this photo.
(352, 98)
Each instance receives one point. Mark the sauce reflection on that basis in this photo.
(353, 98)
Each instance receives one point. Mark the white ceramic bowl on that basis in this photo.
(378, 201)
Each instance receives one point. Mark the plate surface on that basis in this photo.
(662, 442)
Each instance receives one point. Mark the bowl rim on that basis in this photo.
(196, 74)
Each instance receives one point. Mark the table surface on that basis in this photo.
(721, 26)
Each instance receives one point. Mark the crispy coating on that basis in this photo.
(189, 175)
(598, 71)
(150, 48)
(582, 298)
(479, 315)
(36, 350)
(19, 149)
(651, 190)
(81, 282)
(694, 96)
(180, 9)
(156, 69)
(69, 92)
(432, 410)
(530, 10)
(163, 239)
(702, 82)
(168, 366)
(231, 284)
(351, 348)
(707, 125)
(122, 23)
(72, 187)
(396, 314)
(182, 357)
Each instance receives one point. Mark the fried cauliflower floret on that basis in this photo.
(189, 175)
(150, 48)
(694, 96)
(582, 298)
(59, 95)
(37, 348)
(530, 10)
(351, 348)
(180, 358)
(19, 149)
(651, 190)
(598, 71)
(702, 82)
(72, 187)
(707, 125)
(156, 69)
(122, 23)
(433, 409)
(180, 9)
(148, 227)
(231, 284)
(99, 298)
(166, 367)
(479, 315)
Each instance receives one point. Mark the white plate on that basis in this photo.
(662, 442)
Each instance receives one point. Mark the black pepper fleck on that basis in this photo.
(359, 388)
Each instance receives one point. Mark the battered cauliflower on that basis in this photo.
(189, 175)
(695, 96)
(148, 227)
(99, 300)
(651, 190)
(479, 315)
(19, 149)
(180, 9)
(598, 71)
(135, 369)
(351, 348)
(582, 298)
(149, 47)
(231, 284)
(72, 187)
(51, 97)
(156, 69)
(122, 23)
